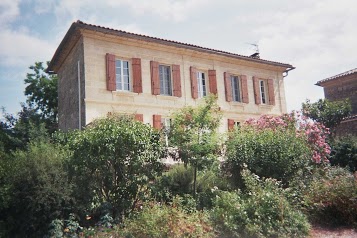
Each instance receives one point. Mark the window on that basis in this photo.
(165, 80)
(122, 75)
(236, 95)
(262, 88)
(201, 84)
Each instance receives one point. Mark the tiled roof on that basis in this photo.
(107, 30)
(352, 71)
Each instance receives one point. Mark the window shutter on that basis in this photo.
(256, 90)
(194, 89)
(155, 81)
(271, 92)
(137, 79)
(176, 76)
(111, 82)
(212, 81)
(228, 86)
(157, 121)
(244, 84)
(230, 124)
(139, 117)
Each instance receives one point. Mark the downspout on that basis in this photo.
(79, 97)
(286, 74)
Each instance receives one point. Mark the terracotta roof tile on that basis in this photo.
(352, 71)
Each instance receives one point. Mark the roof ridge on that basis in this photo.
(185, 44)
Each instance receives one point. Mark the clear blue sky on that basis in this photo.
(318, 37)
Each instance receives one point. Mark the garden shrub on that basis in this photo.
(344, 152)
(261, 211)
(332, 198)
(161, 220)
(38, 190)
(113, 160)
(277, 154)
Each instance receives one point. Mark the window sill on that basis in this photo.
(167, 97)
(124, 93)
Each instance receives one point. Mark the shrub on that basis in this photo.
(268, 153)
(38, 190)
(156, 220)
(263, 211)
(113, 160)
(332, 198)
(344, 152)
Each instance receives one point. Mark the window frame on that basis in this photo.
(122, 84)
(201, 89)
(169, 80)
(263, 93)
(234, 89)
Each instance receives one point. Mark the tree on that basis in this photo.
(329, 113)
(113, 159)
(194, 133)
(41, 91)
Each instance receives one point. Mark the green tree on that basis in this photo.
(34, 190)
(41, 91)
(113, 160)
(329, 113)
(194, 133)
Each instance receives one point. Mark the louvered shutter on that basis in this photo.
(256, 90)
(228, 86)
(176, 78)
(193, 76)
(157, 121)
(212, 81)
(137, 78)
(110, 63)
(155, 81)
(139, 117)
(271, 92)
(230, 124)
(244, 84)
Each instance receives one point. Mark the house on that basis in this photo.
(103, 70)
(340, 87)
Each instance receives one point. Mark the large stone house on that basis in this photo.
(103, 70)
(340, 87)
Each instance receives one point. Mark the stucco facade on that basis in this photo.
(82, 67)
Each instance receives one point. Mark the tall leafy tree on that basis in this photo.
(41, 91)
(194, 133)
(329, 113)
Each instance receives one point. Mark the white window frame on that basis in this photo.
(120, 84)
(201, 84)
(263, 91)
(165, 83)
(235, 97)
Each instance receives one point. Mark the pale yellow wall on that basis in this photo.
(99, 101)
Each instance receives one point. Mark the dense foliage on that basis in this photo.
(344, 152)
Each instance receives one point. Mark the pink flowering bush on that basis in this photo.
(314, 133)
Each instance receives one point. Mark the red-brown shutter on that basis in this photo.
(176, 78)
(157, 121)
(244, 84)
(230, 124)
(137, 79)
(193, 76)
(111, 82)
(228, 86)
(256, 90)
(155, 81)
(271, 92)
(212, 81)
(139, 117)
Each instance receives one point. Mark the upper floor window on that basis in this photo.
(201, 84)
(122, 75)
(236, 88)
(165, 80)
(263, 93)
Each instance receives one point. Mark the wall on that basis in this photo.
(99, 101)
(68, 101)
